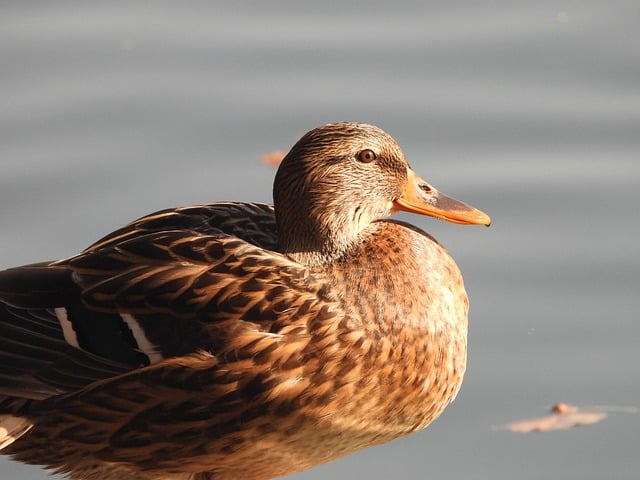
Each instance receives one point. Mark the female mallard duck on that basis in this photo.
(241, 340)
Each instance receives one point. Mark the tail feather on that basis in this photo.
(12, 428)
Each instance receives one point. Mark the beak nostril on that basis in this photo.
(425, 188)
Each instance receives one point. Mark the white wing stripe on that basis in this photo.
(148, 348)
(67, 327)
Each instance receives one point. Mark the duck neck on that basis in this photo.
(309, 244)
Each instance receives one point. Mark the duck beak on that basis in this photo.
(420, 197)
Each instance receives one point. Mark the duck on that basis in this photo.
(242, 340)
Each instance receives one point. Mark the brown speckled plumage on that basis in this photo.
(226, 341)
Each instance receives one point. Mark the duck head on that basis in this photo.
(340, 178)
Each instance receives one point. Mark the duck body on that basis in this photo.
(196, 344)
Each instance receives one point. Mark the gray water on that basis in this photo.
(527, 110)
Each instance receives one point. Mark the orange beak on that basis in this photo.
(420, 197)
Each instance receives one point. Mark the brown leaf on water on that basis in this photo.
(565, 416)
(274, 158)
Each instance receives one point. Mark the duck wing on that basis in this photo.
(172, 284)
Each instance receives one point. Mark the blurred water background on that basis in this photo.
(527, 110)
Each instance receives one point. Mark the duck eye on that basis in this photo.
(366, 156)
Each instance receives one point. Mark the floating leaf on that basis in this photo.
(274, 158)
(565, 416)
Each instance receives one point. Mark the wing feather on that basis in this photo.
(174, 284)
